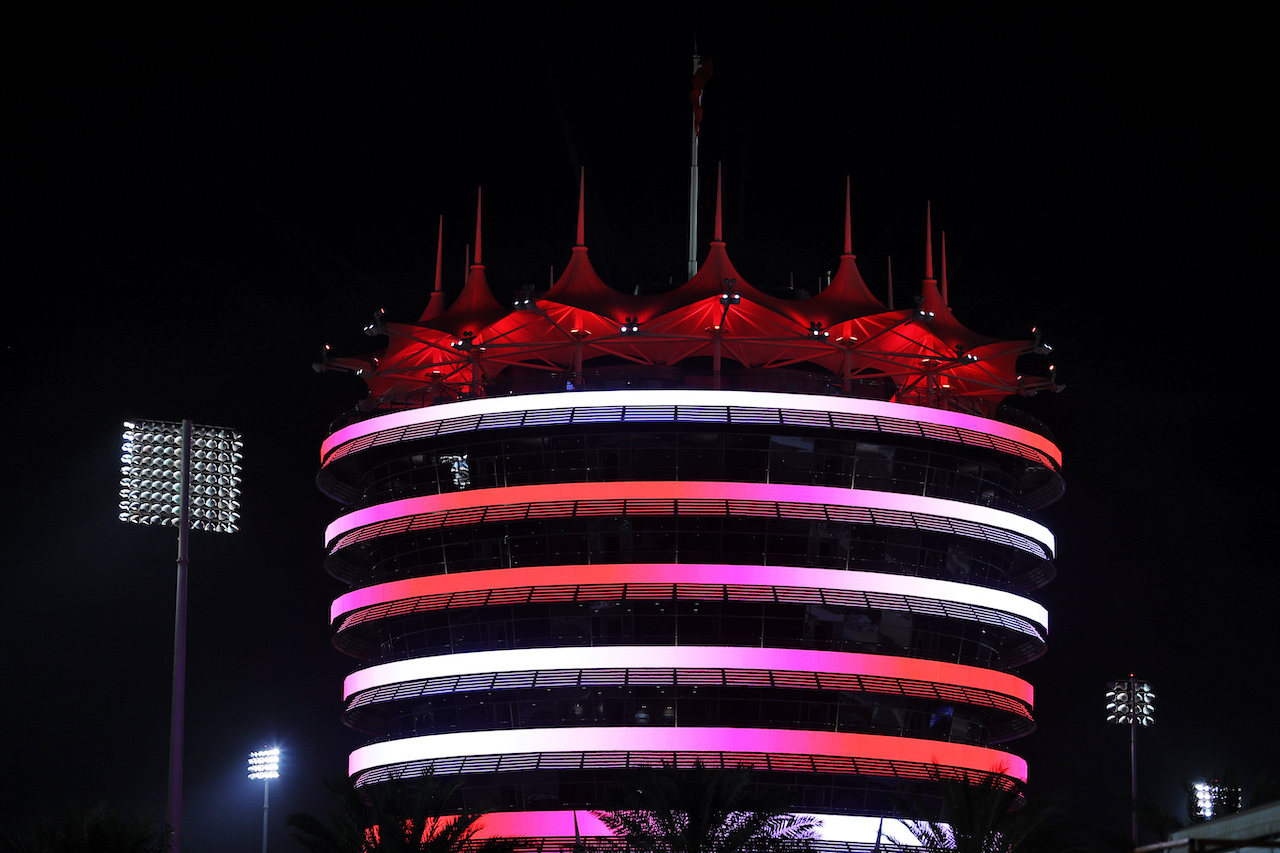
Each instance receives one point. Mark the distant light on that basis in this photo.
(151, 476)
(1204, 799)
(264, 764)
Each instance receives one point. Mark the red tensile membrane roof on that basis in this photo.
(917, 355)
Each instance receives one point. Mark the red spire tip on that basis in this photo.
(719, 237)
(928, 241)
(582, 183)
(848, 222)
(439, 254)
(477, 261)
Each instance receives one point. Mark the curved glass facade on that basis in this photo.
(829, 589)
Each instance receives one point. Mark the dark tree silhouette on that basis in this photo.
(96, 829)
(394, 818)
(701, 810)
(986, 813)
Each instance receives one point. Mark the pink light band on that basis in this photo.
(668, 497)
(582, 823)
(508, 750)
(690, 658)
(692, 580)
(566, 824)
(702, 406)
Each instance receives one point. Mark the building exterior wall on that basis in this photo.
(547, 589)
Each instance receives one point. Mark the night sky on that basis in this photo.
(200, 199)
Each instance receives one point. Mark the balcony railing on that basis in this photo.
(652, 377)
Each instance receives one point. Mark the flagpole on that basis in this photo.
(693, 177)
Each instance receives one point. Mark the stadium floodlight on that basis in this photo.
(265, 765)
(1131, 703)
(1204, 799)
(159, 457)
(178, 474)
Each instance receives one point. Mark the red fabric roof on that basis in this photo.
(925, 354)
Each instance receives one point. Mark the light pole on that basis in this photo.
(265, 765)
(1130, 703)
(184, 476)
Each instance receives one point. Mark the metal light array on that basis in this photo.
(151, 476)
(1204, 799)
(1130, 702)
(264, 764)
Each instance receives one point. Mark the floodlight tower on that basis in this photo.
(1130, 703)
(184, 476)
(265, 765)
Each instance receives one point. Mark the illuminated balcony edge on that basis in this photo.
(598, 747)
(561, 824)
(552, 499)
(610, 406)
(767, 659)
(677, 574)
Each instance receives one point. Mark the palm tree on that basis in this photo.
(982, 815)
(700, 810)
(392, 818)
(95, 829)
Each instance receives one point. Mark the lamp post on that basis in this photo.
(265, 765)
(1130, 703)
(184, 476)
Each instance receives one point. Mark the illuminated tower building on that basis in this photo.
(599, 531)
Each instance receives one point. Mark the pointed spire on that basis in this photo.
(848, 222)
(944, 268)
(439, 256)
(582, 183)
(928, 242)
(719, 237)
(435, 305)
(478, 261)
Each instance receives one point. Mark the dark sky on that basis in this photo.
(200, 199)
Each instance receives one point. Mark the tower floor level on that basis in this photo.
(600, 531)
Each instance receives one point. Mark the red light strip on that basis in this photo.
(670, 497)
(611, 580)
(598, 747)
(664, 405)
(582, 823)
(769, 660)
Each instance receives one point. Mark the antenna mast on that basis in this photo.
(701, 74)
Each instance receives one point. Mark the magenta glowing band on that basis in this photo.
(556, 500)
(582, 823)
(690, 658)
(706, 574)
(564, 824)
(405, 423)
(888, 755)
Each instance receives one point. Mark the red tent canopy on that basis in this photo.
(923, 355)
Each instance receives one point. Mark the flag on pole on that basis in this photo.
(701, 74)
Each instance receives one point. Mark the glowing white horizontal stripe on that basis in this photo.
(692, 573)
(688, 657)
(668, 398)
(620, 741)
(669, 490)
(582, 823)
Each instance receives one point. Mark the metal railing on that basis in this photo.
(654, 377)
